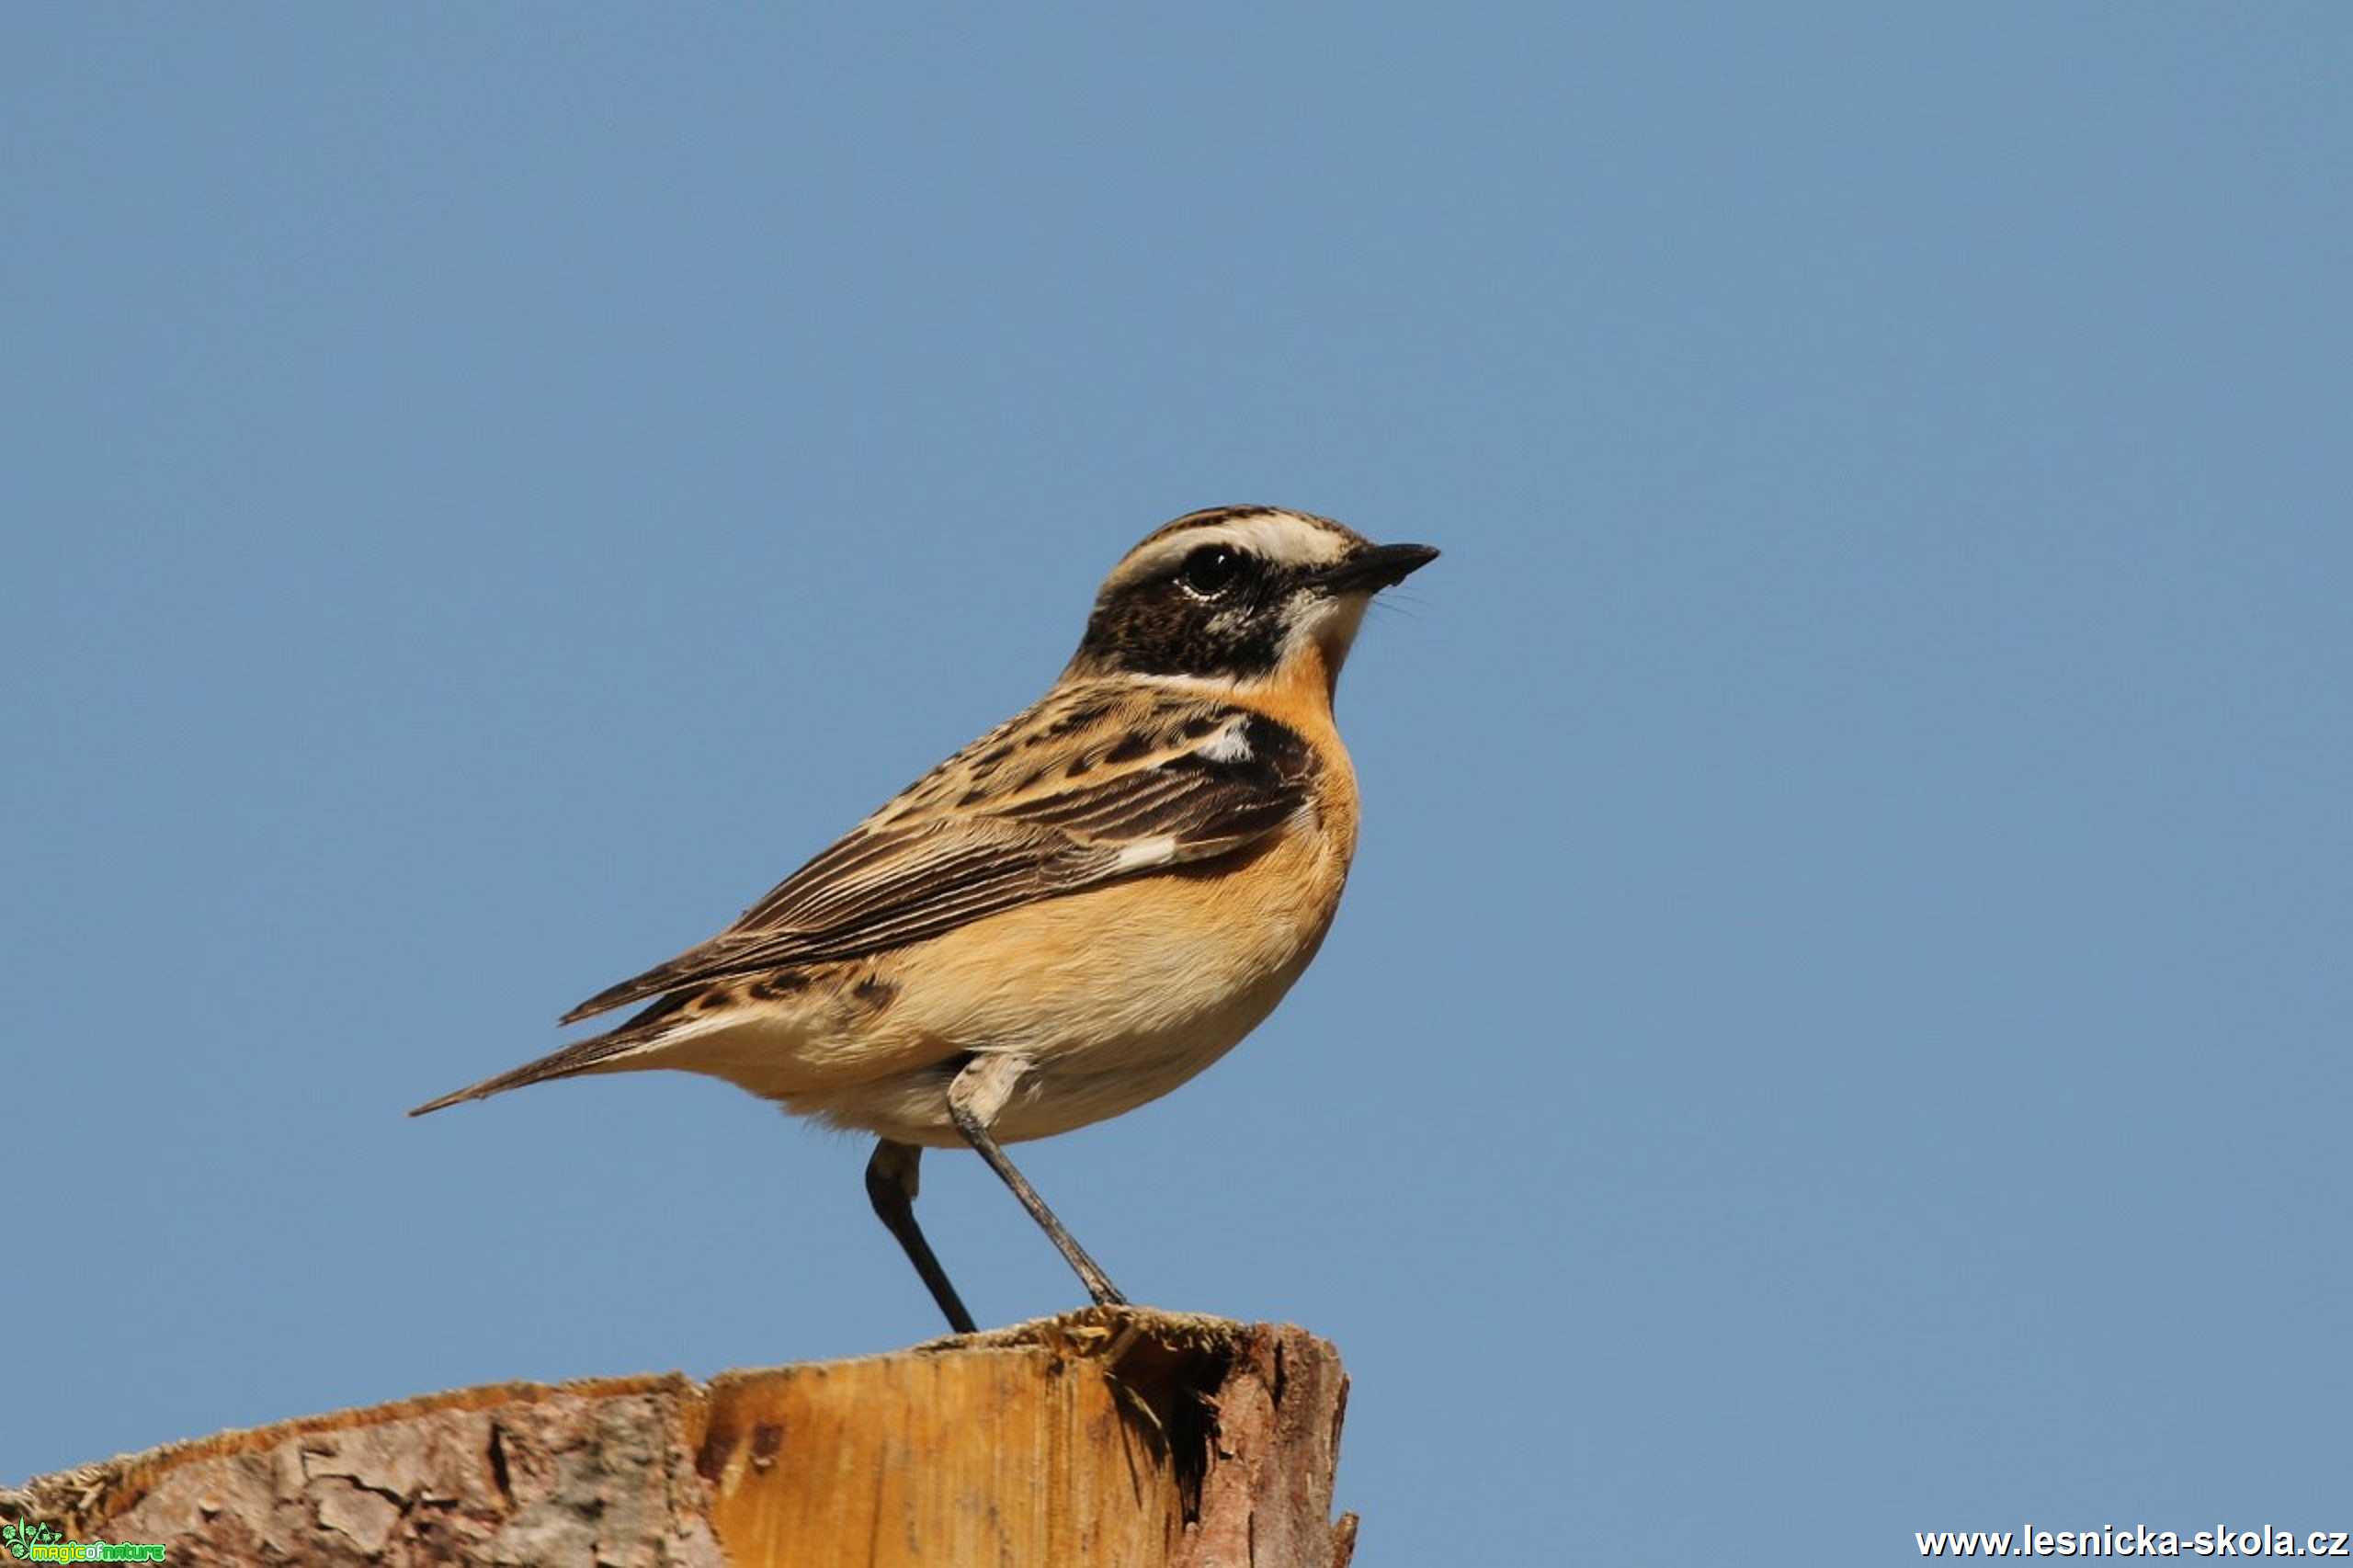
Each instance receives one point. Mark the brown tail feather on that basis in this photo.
(580, 1056)
(633, 990)
(652, 983)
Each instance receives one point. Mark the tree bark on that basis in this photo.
(1113, 1435)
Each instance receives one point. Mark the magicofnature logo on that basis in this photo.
(35, 1542)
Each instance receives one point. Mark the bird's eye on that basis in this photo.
(1211, 570)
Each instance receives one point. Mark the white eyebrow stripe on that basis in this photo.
(1279, 537)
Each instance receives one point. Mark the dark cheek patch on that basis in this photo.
(1156, 627)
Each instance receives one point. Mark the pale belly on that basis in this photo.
(1113, 997)
(1074, 1080)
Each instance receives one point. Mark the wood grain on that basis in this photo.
(1110, 1435)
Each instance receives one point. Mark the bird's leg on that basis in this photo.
(890, 1185)
(974, 1098)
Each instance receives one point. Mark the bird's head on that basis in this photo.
(1240, 595)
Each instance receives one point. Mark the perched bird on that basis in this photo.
(1072, 915)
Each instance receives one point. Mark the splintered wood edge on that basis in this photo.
(104, 1487)
(1084, 1330)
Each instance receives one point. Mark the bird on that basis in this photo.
(1073, 916)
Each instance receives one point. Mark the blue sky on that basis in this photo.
(1839, 1024)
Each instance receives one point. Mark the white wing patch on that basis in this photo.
(1144, 853)
(1229, 745)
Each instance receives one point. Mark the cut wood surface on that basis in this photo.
(1114, 1436)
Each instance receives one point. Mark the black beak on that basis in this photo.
(1382, 566)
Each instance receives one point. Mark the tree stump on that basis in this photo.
(1114, 1436)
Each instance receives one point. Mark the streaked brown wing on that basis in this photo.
(1206, 780)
